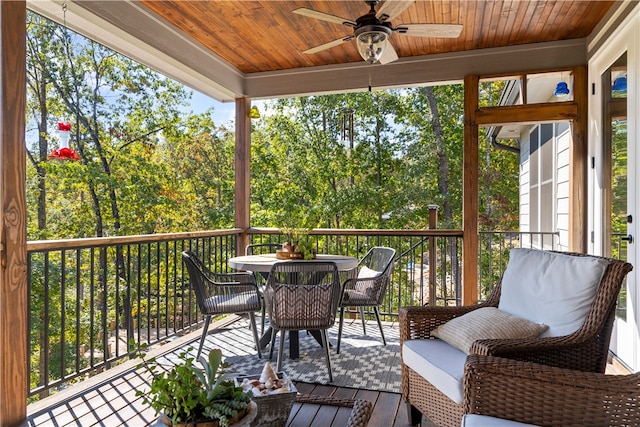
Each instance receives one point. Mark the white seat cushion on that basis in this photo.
(475, 420)
(437, 362)
(551, 288)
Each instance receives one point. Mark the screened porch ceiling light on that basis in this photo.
(371, 41)
(254, 113)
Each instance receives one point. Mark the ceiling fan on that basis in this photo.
(372, 30)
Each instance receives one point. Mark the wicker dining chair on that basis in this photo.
(585, 349)
(262, 248)
(368, 288)
(222, 293)
(302, 296)
(261, 278)
(499, 389)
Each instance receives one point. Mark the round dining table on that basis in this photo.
(262, 264)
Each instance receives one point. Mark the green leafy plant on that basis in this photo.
(298, 241)
(189, 393)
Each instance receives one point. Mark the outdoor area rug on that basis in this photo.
(364, 362)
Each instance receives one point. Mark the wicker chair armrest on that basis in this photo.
(514, 346)
(417, 322)
(543, 395)
(240, 277)
(353, 282)
(563, 352)
(230, 282)
(359, 416)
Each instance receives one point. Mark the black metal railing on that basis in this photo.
(92, 301)
(91, 298)
(413, 281)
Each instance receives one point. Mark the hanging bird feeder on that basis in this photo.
(64, 152)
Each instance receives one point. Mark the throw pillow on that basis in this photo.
(485, 323)
(551, 288)
(366, 273)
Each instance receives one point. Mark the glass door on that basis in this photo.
(618, 201)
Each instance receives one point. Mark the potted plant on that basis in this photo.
(189, 395)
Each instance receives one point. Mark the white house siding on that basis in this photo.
(525, 216)
(544, 185)
(563, 141)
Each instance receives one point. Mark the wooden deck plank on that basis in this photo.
(325, 414)
(385, 410)
(304, 416)
(112, 400)
(402, 414)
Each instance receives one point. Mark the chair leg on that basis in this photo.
(254, 329)
(415, 416)
(364, 328)
(281, 350)
(325, 343)
(263, 316)
(205, 328)
(377, 311)
(274, 332)
(340, 329)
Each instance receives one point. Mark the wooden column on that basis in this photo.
(579, 164)
(243, 172)
(470, 193)
(13, 230)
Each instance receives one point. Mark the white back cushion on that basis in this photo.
(550, 288)
(366, 273)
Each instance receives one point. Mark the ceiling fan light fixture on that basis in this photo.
(371, 41)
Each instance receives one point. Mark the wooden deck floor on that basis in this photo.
(109, 400)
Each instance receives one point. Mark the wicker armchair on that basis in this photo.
(546, 396)
(584, 350)
(222, 293)
(261, 278)
(368, 289)
(302, 295)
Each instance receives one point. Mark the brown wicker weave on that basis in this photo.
(547, 396)
(584, 350)
(368, 291)
(222, 293)
(359, 415)
(302, 295)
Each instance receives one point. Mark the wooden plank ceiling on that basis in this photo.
(266, 35)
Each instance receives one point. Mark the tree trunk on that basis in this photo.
(443, 186)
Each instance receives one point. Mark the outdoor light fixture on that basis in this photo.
(562, 89)
(371, 41)
(620, 84)
(254, 113)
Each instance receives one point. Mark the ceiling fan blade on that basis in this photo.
(388, 54)
(323, 16)
(392, 8)
(328, 45)
(430, 30)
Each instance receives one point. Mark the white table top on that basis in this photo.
(263, 263)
